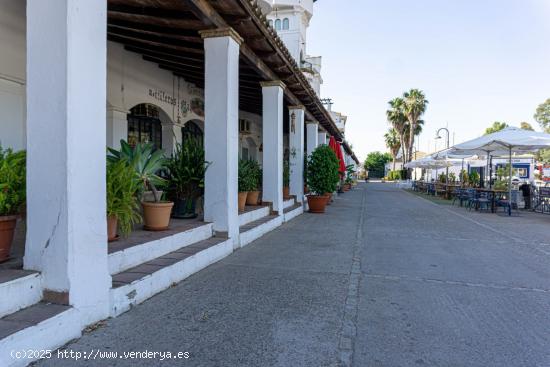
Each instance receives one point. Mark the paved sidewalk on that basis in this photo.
(383, 279)
(442, 286)
(280, 301)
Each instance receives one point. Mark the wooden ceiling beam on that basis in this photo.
(159, 51)
(114, 28)
(171, 22)
(121, 39)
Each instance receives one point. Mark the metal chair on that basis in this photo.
(505, 203)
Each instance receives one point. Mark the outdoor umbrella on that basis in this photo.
(448, 154)
(511, 139)
(335, 146)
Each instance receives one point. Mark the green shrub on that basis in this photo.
(12, 181)
(286, 173)
(248, 176)
(322, 170)
(186, 170)
(394, 175)
(122, 188)
(474, 179)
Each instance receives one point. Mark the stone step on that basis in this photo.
(254, 230)
(288, 203)
(43, 326)
(253, 213)
(135, 285)
(18, 289)
(293, 211)
(143, 246)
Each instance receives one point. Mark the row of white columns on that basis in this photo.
(66, 140)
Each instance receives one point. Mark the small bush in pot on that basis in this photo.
(322, 177)
(12, 196)
(186, 171)
(256, 176)
(122, 203)
(147, 162)
(286, 180)
(246, 181)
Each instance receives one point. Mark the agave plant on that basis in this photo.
(147, 162)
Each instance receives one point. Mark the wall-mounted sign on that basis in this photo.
(162, 96)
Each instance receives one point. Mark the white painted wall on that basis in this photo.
(12, 74)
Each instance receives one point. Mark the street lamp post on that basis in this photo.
(437, 136)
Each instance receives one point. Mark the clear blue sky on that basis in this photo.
(478, 61)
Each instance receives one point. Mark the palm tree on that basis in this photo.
(396, 117)
(415, 106)
(417, 131)
(393, 142)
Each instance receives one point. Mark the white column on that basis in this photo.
(221, 130)
(66, 113)
(312, 136)
(322, 138)
(117, 127)
(272, 132)
(296, 144)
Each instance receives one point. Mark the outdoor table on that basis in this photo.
(493, 193)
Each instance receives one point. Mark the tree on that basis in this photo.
(375, 163)
(526, 126)
(415, 106)
(496, 126)
(542, 115)
(393, 143)
(396, 117)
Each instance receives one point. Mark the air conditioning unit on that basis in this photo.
(244, 126)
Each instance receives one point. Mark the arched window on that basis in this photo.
(192, 130)
(144, 125)
(286, 24)
(278, 25)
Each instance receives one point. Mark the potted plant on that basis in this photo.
(246, 182)
(286, 180)
(147, 163)
(12, 196)
(256, 176)
(186, 169)
(122, 202)
(349, 177)
(305, 175)
(474, 179)
(322, 177)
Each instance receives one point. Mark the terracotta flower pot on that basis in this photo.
(316, 203)
(252, 198)
(7, 229)
(286, 192)
(242, 199)
(112, 226)
(156, 216)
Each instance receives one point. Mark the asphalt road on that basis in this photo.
(384, 278)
